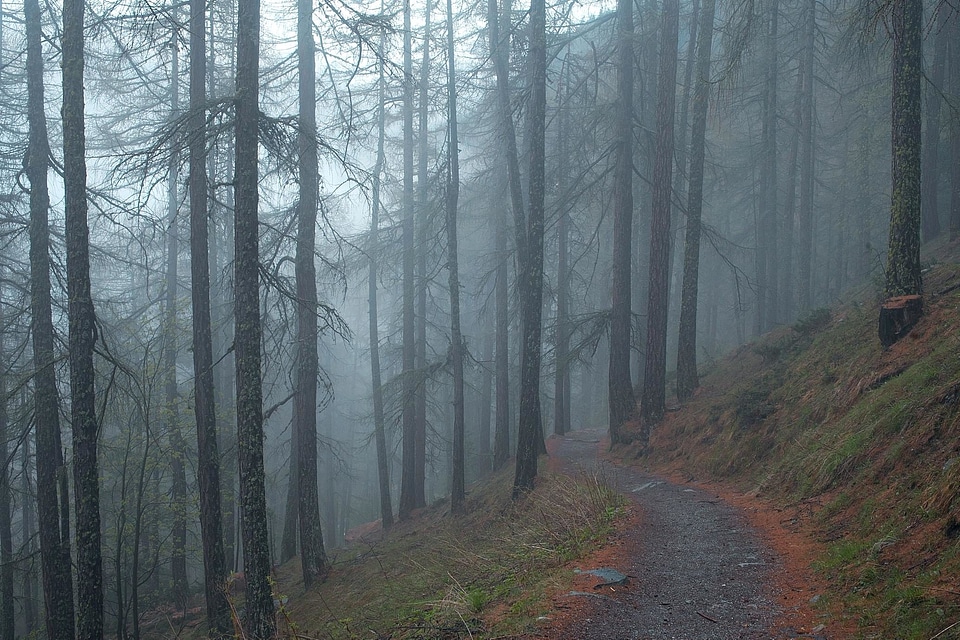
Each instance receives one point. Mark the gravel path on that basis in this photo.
(697, 570)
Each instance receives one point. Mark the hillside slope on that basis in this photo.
(820, 413)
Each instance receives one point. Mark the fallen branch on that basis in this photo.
(706, 617)
(943, 631)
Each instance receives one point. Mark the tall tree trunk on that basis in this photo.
(28, 544)
(769, 242)
(954, 84)
(647, 119)
(680, 177)
(329, 506)
(903, 252)
(788, 276)
(622, 404)
(653, 404)
(499, 50)
(383, 468)
(530, 430)
(930, 210)
(6, 534)
(687, 379)
(119, 550)
(82, 331)
(484, 453)
(863, 254)
(178, 493)
(259, 620)
(457, 496)
(139, 526)
(219, 165)
(805, 218)
(291, 519)
(208, 457)
(7, 621)
(500, 53)
(561, 411)
(408, 496)
(681, 142)
(423, 236)
(313, 557)
(501, 430)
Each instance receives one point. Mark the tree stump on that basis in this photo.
(897, 317)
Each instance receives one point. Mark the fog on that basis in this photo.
(575, 265)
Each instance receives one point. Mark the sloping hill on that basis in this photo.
(820, 412)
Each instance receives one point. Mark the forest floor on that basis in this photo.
(702, 562)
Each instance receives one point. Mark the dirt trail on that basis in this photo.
(697, 569)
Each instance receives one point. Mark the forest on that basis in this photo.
(269, 272)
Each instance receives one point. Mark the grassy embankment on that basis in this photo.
(819, 413)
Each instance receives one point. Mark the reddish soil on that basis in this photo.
(710, 597)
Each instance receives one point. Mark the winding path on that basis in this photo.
(698, 571)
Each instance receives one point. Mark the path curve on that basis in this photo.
(698, 571)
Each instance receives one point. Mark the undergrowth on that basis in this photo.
(436, 576)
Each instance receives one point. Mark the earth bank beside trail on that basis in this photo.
(857, 444)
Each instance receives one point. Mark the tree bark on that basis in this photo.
(7, 620)
(653, 404)
(82, 331)
(863, 253)
(622, 404)
(259, 621)
(788, 276)
(423, 235)
(930, 161)
(208, 457)
(954, 83)
(687, 378)
(291, 511)
(139, 526)
(530, 430)
(501, 431)
(408, 497)
(178, 490)
(499, 50)
(6, 534)
(805, 218)
(313, 557)
(484, 453)
(903, 252)
(647, 159)
(220, 165)
(457, 495)
(383, 469)
(28, 545)
(561, 410)
(770, 221)
(681, 174)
